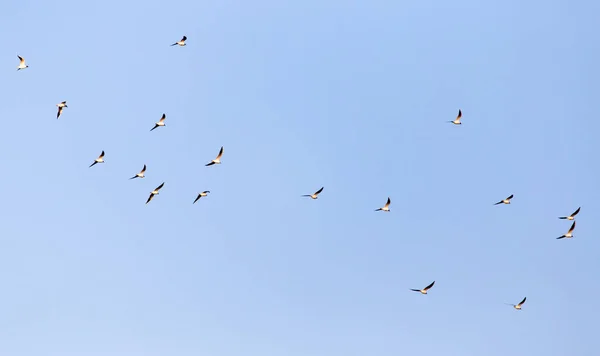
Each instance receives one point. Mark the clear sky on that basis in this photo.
(350, 95)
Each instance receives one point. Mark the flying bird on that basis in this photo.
(61, 106)
(180, 42)
(154, 192)
(216, 160)
(518, 306)
(200, 195)
(160, 122)
(141, 174)
(424, 290)
(315, 195)
(100, 159)
(22, 64)
(572, 216)
(457, 120)
(569, 233)
(386, 207)
(505, 201)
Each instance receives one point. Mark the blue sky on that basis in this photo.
(353, 96)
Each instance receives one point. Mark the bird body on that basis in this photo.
(181, 42)
(216, 160)
(457, 120)
(61, 106)
(22, 64)
(572, 216)
(315, 195)
(505, 201)
(424, 290)
(100, 159)
(386, 207)
(160, 122)
(200, 195)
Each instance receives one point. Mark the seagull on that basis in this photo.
(505, 201)
(22, 65)
(216, 160)
(315, 195)
(141, 174)
(60, 108)
(100, 159)
(181, 42)
(154, 192)
(160, 122)
(424, 290)
(518, 306)
(203, 194)
(457, 120)
(386, 207)
(572, 216)
(569, 233)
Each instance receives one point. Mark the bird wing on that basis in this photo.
(183, 38)
(572, 226)
(523, 301)
(220, 153)
(459, 114)
(206, 191)
(160, 186)
(387, 204)
(198, 197)
(209, 164)
(319, 191)
(162, 119)
(93, 163)
(21, 59)
(143, 169)
(150, 198)
(59, 112)
(101, 155)
(510, 197)
(500, 202)
(429, 286)
(416, 290)
(576, 212)
(155, 126)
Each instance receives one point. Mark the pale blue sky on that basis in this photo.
(350, 95)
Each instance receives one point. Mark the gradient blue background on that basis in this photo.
(350, 95)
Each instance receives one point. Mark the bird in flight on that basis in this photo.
(141, 174)
(424, 290)
(386, 207)
(200, 195)
(61, 106)
(180, 42)
(160, 122)
(22, 64)
(572, 216)
(505, 201)
(569, 233)
(315, 195)
(216, 160)
(100, 159)
(457, 120)
(154, 192)
(518, 306)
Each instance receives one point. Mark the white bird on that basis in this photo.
(160, 122)
(154, 192)
(424, 290)
(141, 174)
(572, 216)
(200, 195)
(569, 233)
(518, 306)
(180, 42)
(315, 195)
(60, 108)
(457, 120)
(505, 201)
(386, 207)
(216, 160)
(22, 64)
(100, 159)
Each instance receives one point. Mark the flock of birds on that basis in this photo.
(386, 208)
